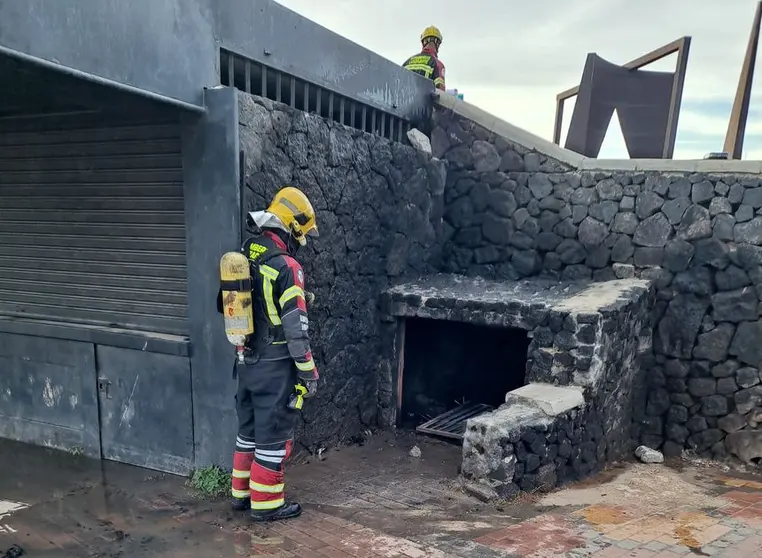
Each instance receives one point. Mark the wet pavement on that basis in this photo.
(373, 501)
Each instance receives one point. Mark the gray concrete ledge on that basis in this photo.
(531, 141)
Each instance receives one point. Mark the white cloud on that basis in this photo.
(512, 58)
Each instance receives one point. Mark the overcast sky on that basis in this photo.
(511, 58)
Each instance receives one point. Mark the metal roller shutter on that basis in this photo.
(92, 221)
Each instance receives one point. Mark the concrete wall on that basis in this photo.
(518, 206)
(379, 207)
(170, 47)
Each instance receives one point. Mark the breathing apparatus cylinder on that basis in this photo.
(235, 281)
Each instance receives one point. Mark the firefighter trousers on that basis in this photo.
(265, 431)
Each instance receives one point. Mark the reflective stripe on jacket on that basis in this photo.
(427, 65)
(283, 309)
(281, 324)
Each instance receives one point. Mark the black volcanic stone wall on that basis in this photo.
(379, 206)
(511, 213)
(571, 448)
(520, 448)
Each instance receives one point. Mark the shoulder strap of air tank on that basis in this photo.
(274, 254)
(266, 258)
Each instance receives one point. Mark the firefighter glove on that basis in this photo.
(296, 399)
(311, 386)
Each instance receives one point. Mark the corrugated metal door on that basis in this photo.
(92, 221)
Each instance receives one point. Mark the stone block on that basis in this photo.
(480, 491)
(702, 387)
(695, 224)
(712, 252)
(735, 194)
(748, 399)
(419, 141)
(748, 232)
(677, 414)
(732, 423)
(648, 203)
(714, 406)
(592, 232)
(609, 189)
(702, 192)
(746, 445)
(735, 306)
(714, 344)
(653, 231)
(680, 188)
(745, 345)
(696, 424)
(623, 271)
(540, 185)
(678, 329)
(731, 278)
(726, 386)
(747, 377)
(723, 226)
(675, 209)
(720, 205)
(604, 211)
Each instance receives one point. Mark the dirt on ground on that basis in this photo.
(376, 498)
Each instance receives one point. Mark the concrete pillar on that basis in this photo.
(212, 209)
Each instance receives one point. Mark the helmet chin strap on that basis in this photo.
(292, 245)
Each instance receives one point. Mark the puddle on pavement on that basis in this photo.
(118, 511)
(75, 506)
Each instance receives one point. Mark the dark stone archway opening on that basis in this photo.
(448, 364)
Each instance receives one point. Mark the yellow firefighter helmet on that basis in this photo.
(431, 32)
(295, 211)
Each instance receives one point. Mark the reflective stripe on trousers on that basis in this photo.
(266, 484)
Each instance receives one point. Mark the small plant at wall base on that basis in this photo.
(210, 481)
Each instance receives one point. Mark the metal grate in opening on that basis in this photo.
(262, 80)
(452, 424)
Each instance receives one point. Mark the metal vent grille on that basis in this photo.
(262, 80)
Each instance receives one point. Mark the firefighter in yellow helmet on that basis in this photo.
(278, 370)
(427, 62)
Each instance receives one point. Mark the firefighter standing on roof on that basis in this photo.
(427, 62)
(277, 370)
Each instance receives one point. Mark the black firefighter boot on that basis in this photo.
(289, 510)
(240, 504)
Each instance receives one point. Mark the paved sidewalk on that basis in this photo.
(376, 501)
(646, 512)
